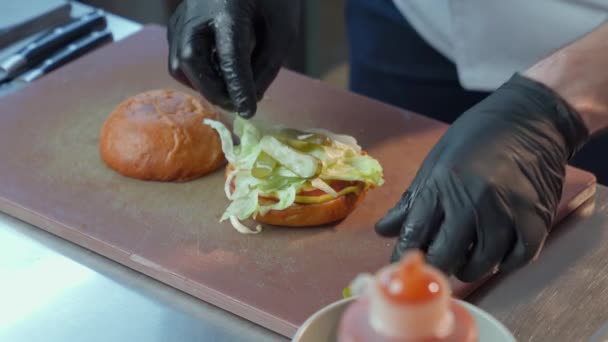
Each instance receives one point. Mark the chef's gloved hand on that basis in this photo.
(231, 50)
(486, 195)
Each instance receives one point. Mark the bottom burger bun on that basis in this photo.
(307, 215)
(310, 215)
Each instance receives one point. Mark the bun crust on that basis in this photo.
(159, 135)
(310, 215)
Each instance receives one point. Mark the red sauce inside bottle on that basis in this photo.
(410, 284)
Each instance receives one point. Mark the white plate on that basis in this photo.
(322, 326)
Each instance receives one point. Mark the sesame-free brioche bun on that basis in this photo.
(159, 135)
(310, 215)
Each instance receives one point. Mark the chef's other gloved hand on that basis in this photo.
(231, 50)
(486, 195)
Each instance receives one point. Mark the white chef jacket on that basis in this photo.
(489, 40)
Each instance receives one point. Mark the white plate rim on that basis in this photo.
(475, 311)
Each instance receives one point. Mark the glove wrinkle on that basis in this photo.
(498, 174)
(231, 51)
(420, 225)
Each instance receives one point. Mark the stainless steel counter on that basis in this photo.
(52, 290)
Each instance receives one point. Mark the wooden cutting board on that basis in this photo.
(51, 175)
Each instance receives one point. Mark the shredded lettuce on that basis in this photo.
(338, 138)
(314, 161)
(300, 163)
(282, 171)
(242, 207)
(321, 185)
(286, 198)
(225, 137)
(243, 184)
(277, 183)
(249, 148)
(241, 228)
(358, 168)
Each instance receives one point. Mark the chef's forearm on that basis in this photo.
(579, 74)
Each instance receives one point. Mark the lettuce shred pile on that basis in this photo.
(278, 163)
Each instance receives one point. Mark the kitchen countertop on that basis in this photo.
(52, 290)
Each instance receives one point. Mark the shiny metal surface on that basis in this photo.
(10, 65)
(30, 76)
(11, 87)
(52, 290)
(119, 26)
(563, 296)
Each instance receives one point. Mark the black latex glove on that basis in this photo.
(231, 50)
(486, 195)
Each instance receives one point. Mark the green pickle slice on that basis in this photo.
(263, 166)
(301, 140)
